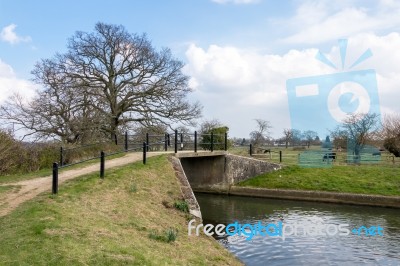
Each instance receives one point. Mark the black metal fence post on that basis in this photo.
(251, 150)
(102, 162)
(126, 140)
(169, 139)
(280, 156)
(55, 179)
(144, 152)
(195, 141)
(226, 141)
(176, 141)
(147, 141)
(166, 142)
(212, 141)
(61, 156)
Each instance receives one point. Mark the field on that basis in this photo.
(291, 156)
(381, 177)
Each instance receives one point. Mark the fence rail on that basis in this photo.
(152, 141)
(310, 157)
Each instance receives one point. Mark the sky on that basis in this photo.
(239, 54)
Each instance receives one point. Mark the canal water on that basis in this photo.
(327, 246)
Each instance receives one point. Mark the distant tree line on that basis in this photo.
(355, 132)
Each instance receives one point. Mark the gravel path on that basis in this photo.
(29, 189)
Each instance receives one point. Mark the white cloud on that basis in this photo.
(317, 21)
(235, 1)
(237, 86)
(10, 83)
(8, 34)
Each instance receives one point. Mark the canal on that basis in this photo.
(310, 227)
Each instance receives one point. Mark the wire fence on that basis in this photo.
(318, 157)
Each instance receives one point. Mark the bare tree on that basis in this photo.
(208, 125)
(339, 136)
(262, 132)
(59, 109)
(359, 129)
(310, 136)
(287, 136)
(129, 77)
(124, 78)
(391, 134)
(218, 129)
(297, 137)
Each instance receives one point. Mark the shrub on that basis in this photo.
(171, 235)
(11, 153)
(167, 236)
(218, 138)
(181, 205)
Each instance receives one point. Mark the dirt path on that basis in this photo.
(29, 189)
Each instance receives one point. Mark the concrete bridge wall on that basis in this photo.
(208, 172)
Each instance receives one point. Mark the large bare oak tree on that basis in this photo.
(106, 80)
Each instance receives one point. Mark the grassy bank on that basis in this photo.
(352, 179)
(127, 218)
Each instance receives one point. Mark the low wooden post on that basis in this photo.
(55, 179)
(176, 141)
(280, 156)
(212, 141)
(165, 142)
(126, 140)
(102, 162)
(144, 152)
(251, 150)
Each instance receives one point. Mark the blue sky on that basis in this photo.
(239, 53)
(173, 24)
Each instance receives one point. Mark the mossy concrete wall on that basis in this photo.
(207, 172)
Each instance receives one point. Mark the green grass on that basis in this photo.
(6, 188)
(106, 222)
(365, 179)
(48, 171)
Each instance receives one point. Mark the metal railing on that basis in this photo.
(152, 142)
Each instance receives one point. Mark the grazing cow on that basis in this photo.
(267, 151)
(327, 156)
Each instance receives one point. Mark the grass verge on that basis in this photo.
(351, 179)
(120, 220)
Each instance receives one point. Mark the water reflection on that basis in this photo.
(305, 250)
